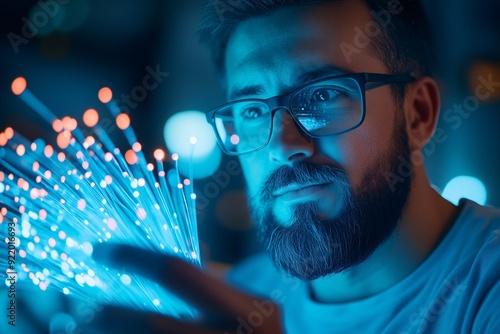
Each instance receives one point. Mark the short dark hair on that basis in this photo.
(405, 44)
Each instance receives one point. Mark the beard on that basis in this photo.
(311, 246)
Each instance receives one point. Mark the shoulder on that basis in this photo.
(475, 243)
(480, 273)
(479, 225)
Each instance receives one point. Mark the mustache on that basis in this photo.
(303, 172)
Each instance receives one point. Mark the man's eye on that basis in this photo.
(252, 113)
(324, 94)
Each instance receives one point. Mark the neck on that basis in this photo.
(425, 220)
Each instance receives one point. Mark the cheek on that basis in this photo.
(360, 149)
(255, 170)
(348, 152)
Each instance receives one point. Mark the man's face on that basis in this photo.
(323, 205)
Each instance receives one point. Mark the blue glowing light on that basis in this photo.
(190, 136)
(65, 201)
(180, 130)
(465, 187)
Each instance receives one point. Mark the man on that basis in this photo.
(330, 105)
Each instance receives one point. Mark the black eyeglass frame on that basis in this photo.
(283, 101)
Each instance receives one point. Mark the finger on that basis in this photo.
(183, 279)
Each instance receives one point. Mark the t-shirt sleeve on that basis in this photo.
(487, 320)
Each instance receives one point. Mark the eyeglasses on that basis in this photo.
(324, 107)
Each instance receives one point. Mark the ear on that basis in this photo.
(422, 105)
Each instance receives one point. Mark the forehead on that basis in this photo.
(280, 46)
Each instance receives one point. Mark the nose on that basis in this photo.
(288, 143)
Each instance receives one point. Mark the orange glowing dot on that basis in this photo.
(81, 204)
(123, 121)
(131, 157)
(9, 132)
(89, 141)
(73, 124)
(66, 122)
(141, 213)
(3, 139)
(22, 253)
(105, 94)
(137, 147)
(175, 157)
(20, 150)
(111, 224)
(90, 117)
(63, 139)
(187, 182)
(34, 193)
(69, 123)
(48, 151)
(235, 139)
(108, 156)
(42, 214)
(23, 184)
(57, 125)
(61, 157)
(159, 154)
(18, 85)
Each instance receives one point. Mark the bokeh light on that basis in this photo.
(465, 187)
(105, 94)
(90, 117)
(159, 154)
(189, 135)
(57, 125)
(131, 157)
(18, 85)
(180, 130)
(123, 121)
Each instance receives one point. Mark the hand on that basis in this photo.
(223, 308)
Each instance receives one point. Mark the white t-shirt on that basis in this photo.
(455, 290)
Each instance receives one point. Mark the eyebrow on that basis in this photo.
(245, 91)
(318, 73)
